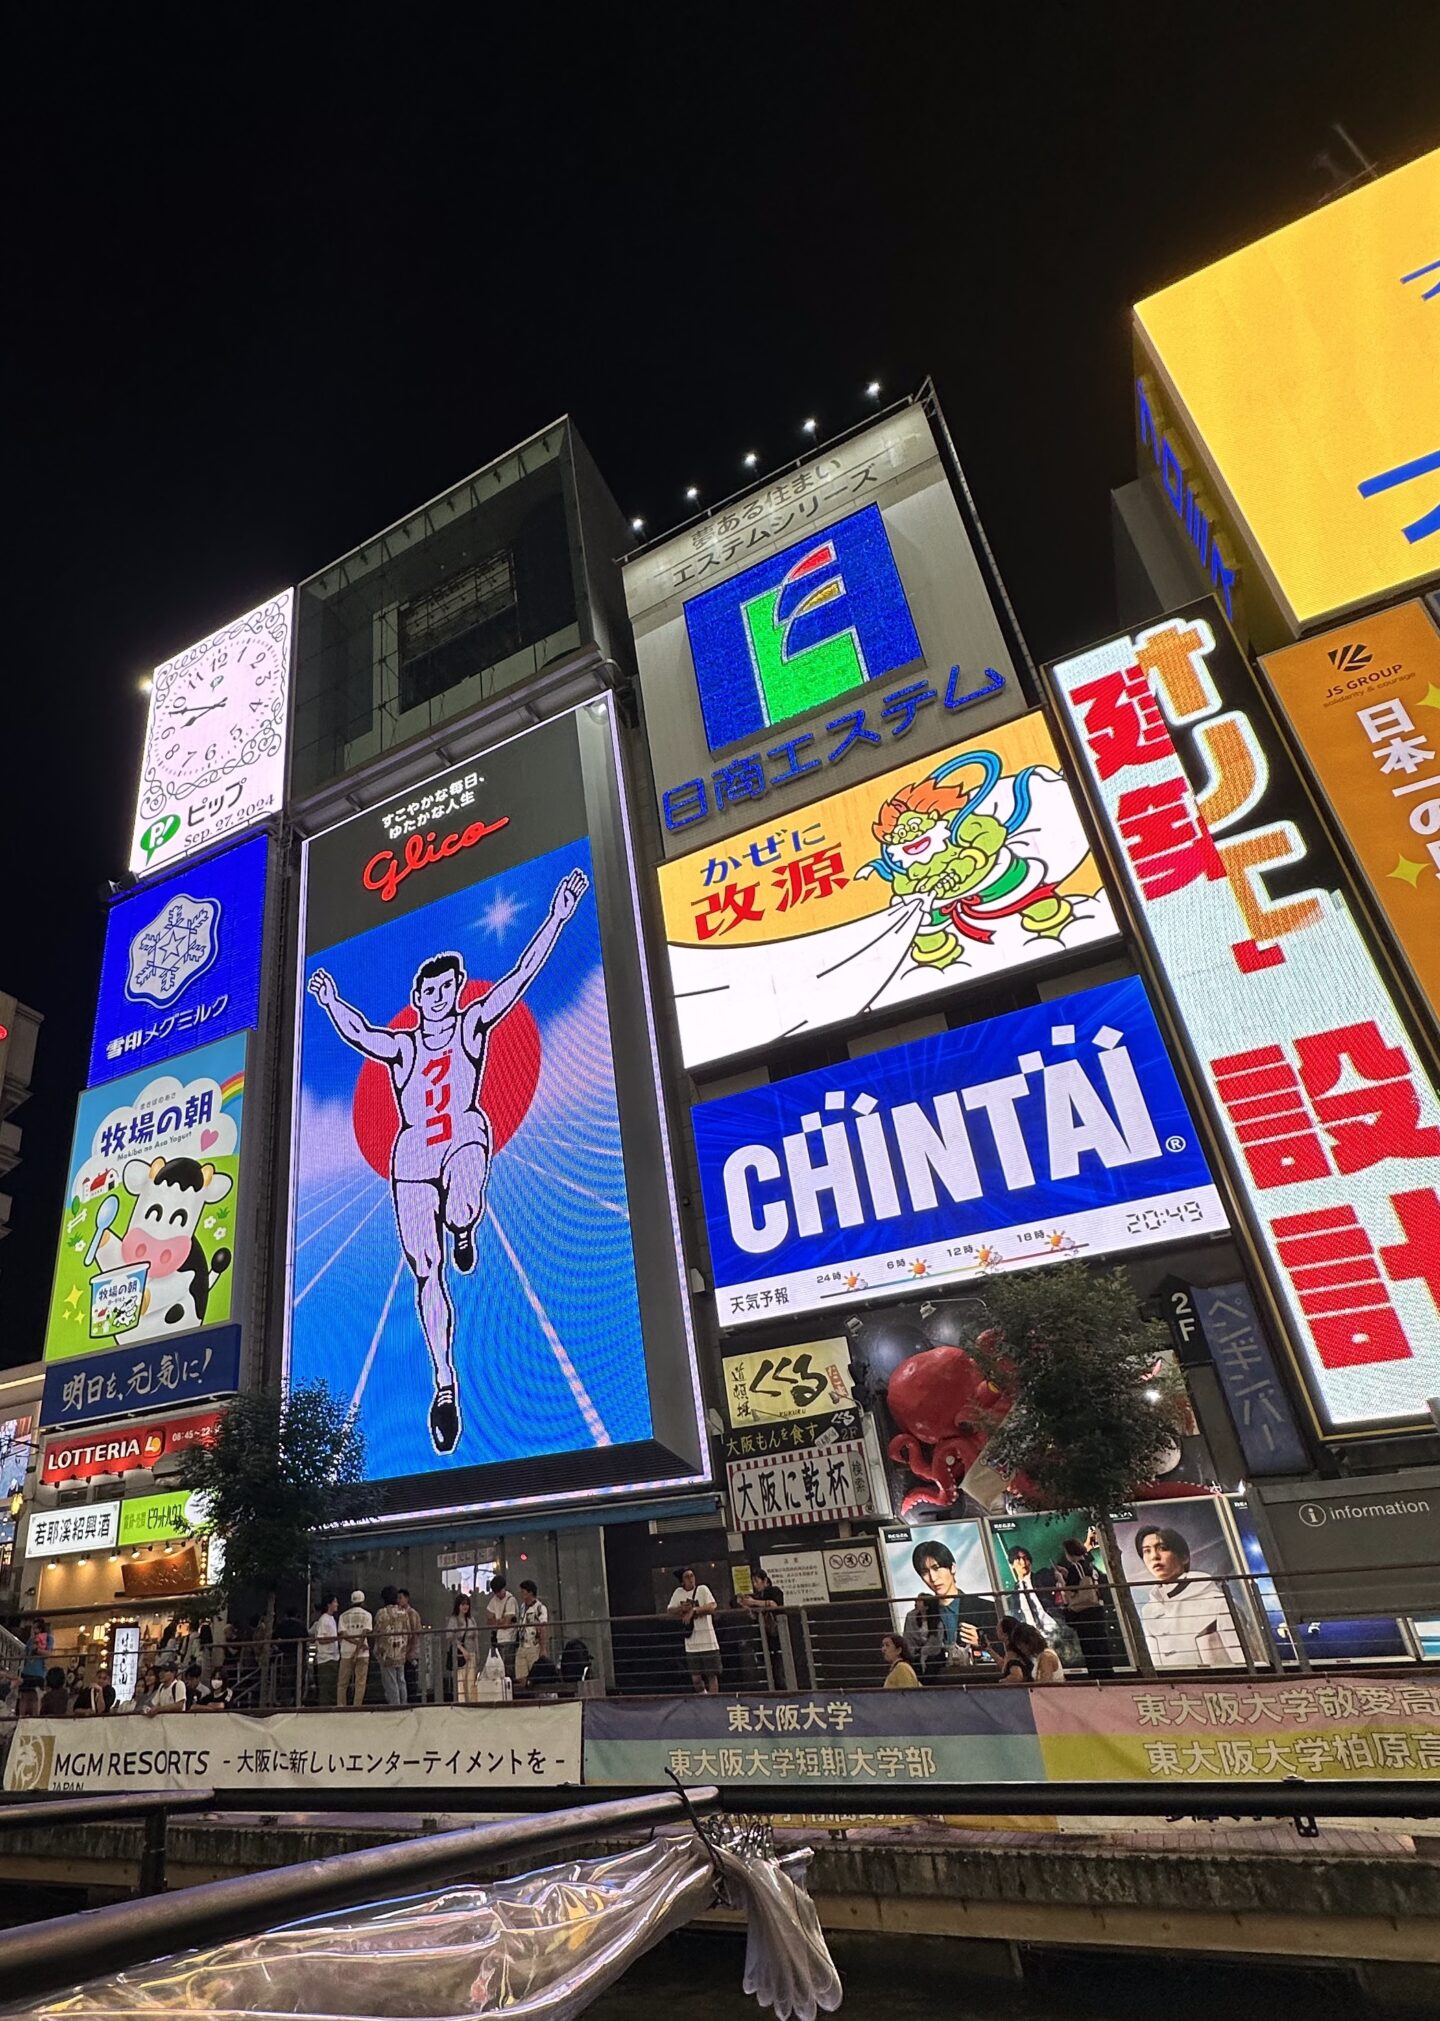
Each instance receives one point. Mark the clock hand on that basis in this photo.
(192, 717)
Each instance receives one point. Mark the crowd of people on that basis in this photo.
(1060, 1621)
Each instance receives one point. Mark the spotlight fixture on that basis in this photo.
(873, 389)
(809, 427)
(637, 526)
(145, 683)
(1152, 1396)
(692, 492)
(750, 459)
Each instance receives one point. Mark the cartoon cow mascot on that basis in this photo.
(171, 1195)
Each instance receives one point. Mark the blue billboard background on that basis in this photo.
(809, 622)
(181, 963)
(151, 1376)
(1068, 1117)
(547, 1339)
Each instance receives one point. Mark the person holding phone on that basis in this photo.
(693, 1605)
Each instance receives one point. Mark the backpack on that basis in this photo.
(1082, 1596)
(575, 1661)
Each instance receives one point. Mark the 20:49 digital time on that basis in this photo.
(1153, 1220)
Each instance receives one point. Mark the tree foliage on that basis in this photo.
(280, 1470)
(1091, 1417)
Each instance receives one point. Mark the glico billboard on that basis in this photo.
(811, 626)
(484, 1250)
(1332, 1122)
(1286, 402)
(1049, 1133)
(936, 875)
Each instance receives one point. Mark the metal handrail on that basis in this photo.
(16, 1810)
(43, 1958)
(831, 1647)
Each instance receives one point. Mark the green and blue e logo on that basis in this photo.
(799, 628)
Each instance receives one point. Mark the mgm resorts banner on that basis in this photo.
(478, 1138)
(437, 1749)
(1054, 1132)
(946, 871)
(868, 1741)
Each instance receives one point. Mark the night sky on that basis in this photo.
(269, 289)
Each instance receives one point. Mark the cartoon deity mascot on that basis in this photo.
(955, 850)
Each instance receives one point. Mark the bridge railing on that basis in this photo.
(1194, 1625)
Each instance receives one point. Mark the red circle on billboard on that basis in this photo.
(512, 1073)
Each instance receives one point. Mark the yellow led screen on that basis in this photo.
(1307, 368)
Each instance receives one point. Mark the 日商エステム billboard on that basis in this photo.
(812, 626)
(181, 963)
(942, 872)
(214, 758)
(798, 628)
(147, 1246)
(1331, 1119)
(484, 1255)
(1049, 1133)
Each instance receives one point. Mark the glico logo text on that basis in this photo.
(907, 1151)
(386, 872)
(799, 628)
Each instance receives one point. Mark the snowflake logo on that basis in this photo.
(181, 942)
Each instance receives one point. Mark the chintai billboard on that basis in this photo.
(1054, 1132)
(484, 1253)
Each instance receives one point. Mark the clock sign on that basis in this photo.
(215, 742)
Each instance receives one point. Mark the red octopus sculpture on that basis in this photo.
(938, 1398)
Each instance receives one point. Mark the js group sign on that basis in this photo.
(1332, 1123)
(1051, 1133)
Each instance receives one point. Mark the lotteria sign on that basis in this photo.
(124, 1447)
(1333, 1124)
(1054, 1132)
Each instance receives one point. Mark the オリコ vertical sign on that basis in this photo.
(1331, 1119)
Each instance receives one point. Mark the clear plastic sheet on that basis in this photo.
(540, 1947)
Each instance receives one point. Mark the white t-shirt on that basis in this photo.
(169, 1697)
(327, 1639)
(501, 1613)
(702, 1636)
(355, 1625)
(533, 1616)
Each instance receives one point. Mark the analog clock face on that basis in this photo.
(209, 712)
(215, 746)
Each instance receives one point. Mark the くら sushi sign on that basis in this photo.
(1333, 1125)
